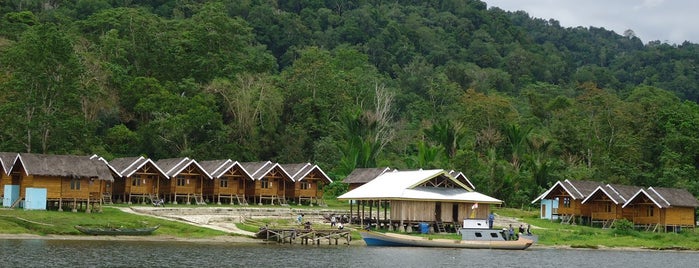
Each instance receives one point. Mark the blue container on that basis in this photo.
(424, 228)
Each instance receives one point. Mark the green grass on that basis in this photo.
(554, 233)
(17, 221)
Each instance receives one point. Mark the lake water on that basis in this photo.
(62, 253)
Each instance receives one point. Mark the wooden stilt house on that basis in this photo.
(570, 195)
(230, 181)
(137, 180)
(360, 176)
(7, 160)
(271, 182)
(184, 180)
(431, 196)
(606, 203)
(309, 181)
(75, 180)
(657, 208)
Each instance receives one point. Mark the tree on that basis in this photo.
(43, 91)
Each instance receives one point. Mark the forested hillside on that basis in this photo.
(515, 103)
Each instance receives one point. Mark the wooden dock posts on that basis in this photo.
(312, 237)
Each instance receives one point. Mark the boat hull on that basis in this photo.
(398, 240)
(116, 231)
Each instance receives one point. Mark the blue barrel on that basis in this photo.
(424, 228)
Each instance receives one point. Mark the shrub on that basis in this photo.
(623, 227)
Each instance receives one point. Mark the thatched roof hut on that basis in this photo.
(360, 176)
(666, 197)
(7, 160)
(72, 166)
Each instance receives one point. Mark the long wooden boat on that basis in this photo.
(116, 230)
(398, 240)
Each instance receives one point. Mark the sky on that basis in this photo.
(669, 21)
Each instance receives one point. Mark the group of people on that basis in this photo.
(510, 233)
(521, 231)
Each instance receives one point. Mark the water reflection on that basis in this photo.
(61, 253)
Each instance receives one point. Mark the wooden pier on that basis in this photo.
(307, 237)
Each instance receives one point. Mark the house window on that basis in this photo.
(649, 212)
(75, 184)
(181, 181)
(608, 207)
(135, 181)
(566, 202)
(224, 183)
(264, 183)
(305, 185)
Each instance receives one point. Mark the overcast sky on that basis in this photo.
(671, 21)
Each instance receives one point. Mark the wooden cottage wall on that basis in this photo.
(145, 185)
(254, 188)
(447, 209)
(290, 189)
(598, 210)
(82, 193)
(119, 187)
(191, 184)
(52, 184)
(464, 211)
(412, 210)
(28, 181)
(166, 186)
(272, 188)
(640, 214)
(5, 179)
(679, 216)
(213, 187)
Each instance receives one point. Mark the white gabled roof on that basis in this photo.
(404, 185)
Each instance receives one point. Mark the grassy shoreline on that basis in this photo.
(21, 224)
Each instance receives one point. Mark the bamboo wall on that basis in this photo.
(426, 210)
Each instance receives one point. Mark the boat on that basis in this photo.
(471, 237)
(95, 230)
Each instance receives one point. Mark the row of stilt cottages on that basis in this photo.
(33, 181)
(595, 203)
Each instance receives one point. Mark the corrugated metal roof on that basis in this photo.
(404, 185)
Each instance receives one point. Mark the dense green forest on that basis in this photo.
(514, 102)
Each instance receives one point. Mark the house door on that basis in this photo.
(543, 211)
(438, 211)
(455, 212)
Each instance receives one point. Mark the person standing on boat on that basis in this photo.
(512, 233)
(491, 219)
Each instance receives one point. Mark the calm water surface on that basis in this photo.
(58, 253)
